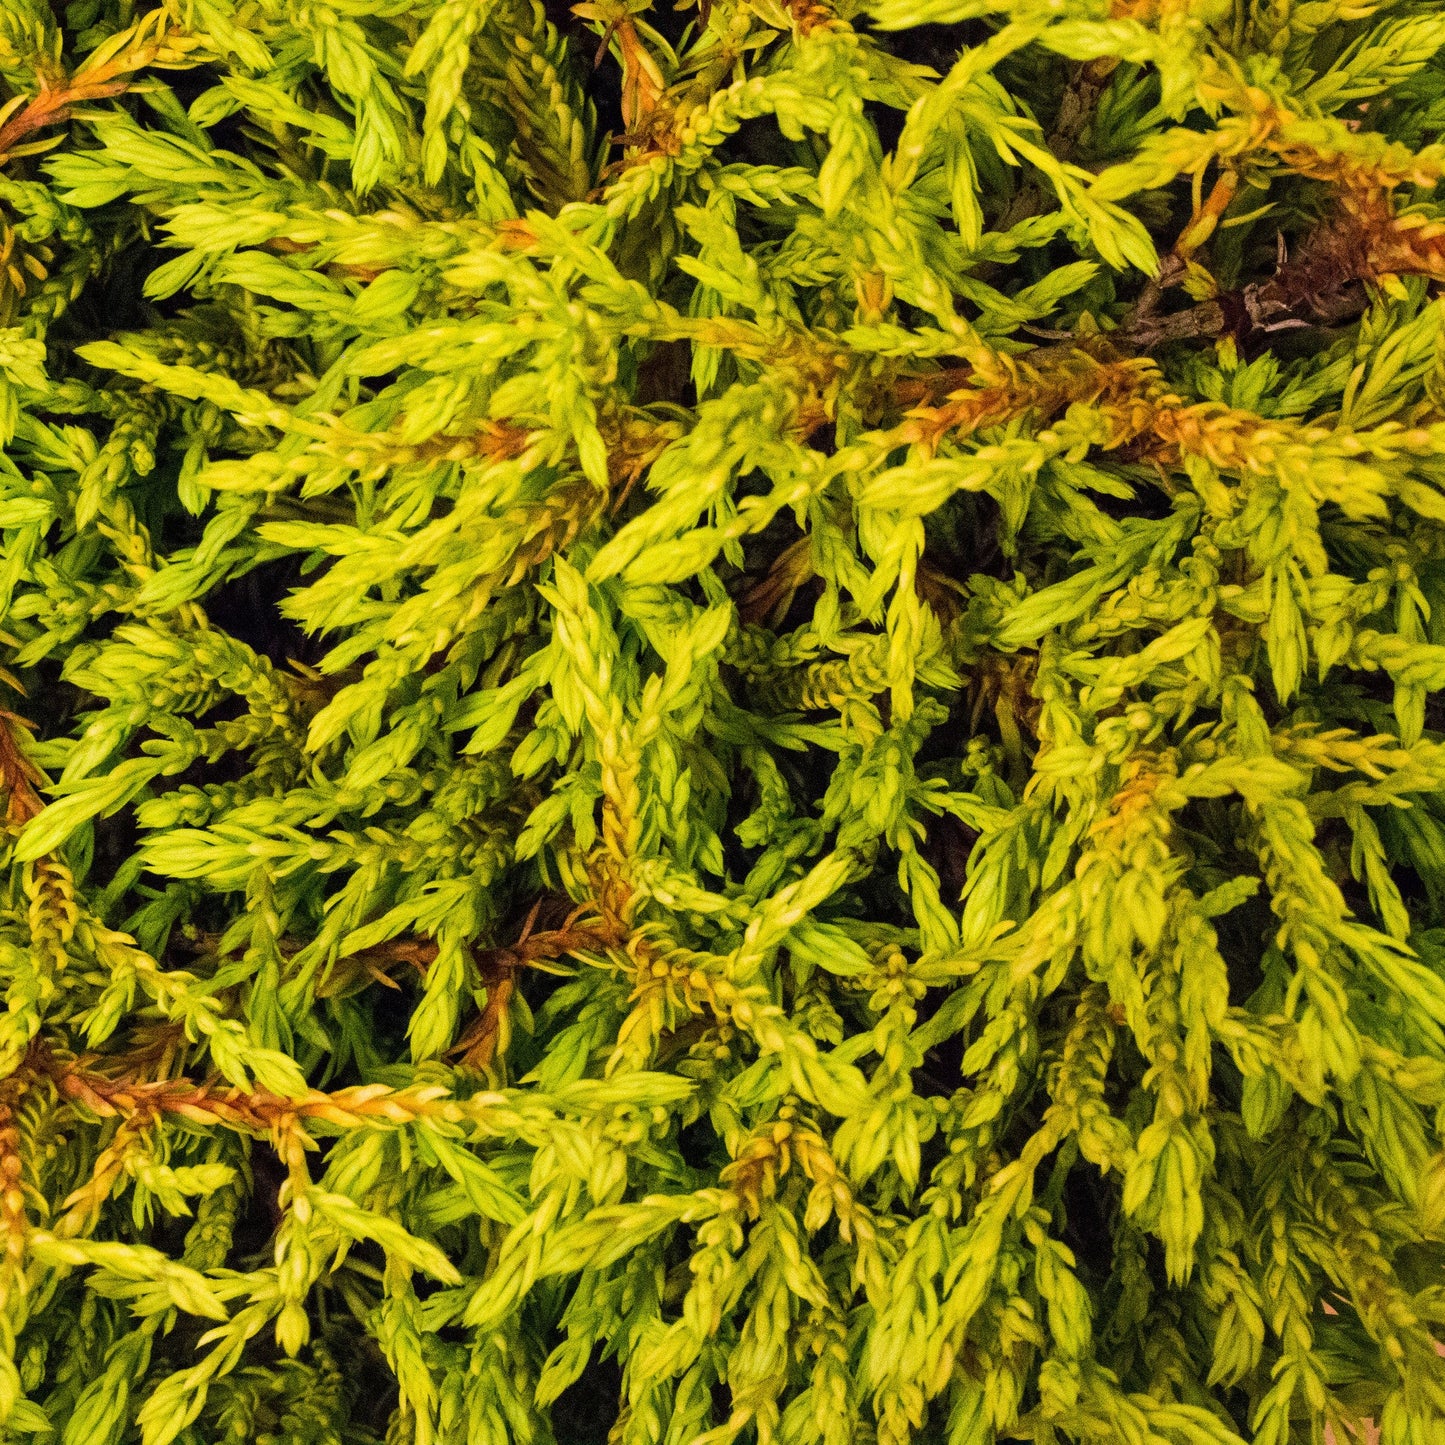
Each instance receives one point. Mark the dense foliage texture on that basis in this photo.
(723, 724)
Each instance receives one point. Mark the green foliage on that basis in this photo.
(723, 723)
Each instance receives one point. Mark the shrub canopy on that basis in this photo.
(724, 719)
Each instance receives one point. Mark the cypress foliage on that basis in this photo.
(722, 724)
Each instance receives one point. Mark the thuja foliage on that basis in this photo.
(722, 723)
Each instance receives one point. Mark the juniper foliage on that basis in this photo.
(737, 705)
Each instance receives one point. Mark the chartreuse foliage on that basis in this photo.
(726, 720)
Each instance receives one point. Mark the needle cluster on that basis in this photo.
(723, 723)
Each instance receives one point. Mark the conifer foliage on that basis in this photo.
(723, 723)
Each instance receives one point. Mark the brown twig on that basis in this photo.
(498, 966)
(148, 43)
(477, 1045)
(18, 775)
(1323, 284)
(256, 1111)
